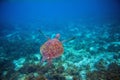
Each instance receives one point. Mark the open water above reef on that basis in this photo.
(94, 54)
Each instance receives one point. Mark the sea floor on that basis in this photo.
(93, 55)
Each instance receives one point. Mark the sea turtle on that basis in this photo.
(52, 48)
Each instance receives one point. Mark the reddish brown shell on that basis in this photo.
(51, 49)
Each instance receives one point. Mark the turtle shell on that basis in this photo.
(51, 49)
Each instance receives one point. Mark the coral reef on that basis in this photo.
(111, 73)
(33, 77)
(91, 56)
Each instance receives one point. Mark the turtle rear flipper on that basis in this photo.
(72, 38)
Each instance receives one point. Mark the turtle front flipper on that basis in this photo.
(72, 38)
(43, 34)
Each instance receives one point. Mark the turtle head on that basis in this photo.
(57, 36)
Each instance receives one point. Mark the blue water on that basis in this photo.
(92, 55)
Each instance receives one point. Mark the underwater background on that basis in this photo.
(94, 54)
